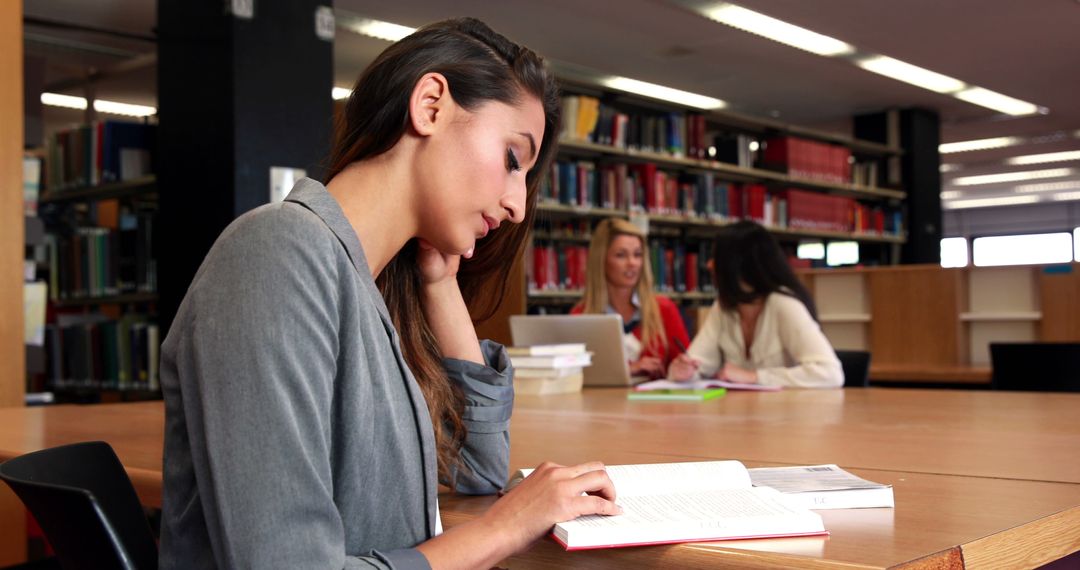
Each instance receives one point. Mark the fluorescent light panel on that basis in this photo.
(112, 107)
(100, 105)
(1065, 196)
(949, 168)
(379, 29)
(997, 101)
(1044, 158)
(776, 30)
(951, 194)
(339, 93)
(989, 202)
(913, 74)
(1012, 176)
(979, 144)
(66, 101)
(1048, 187)
(665, 93)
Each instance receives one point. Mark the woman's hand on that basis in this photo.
(733, 373)
(683, 367)
(650, 366)
(436, 266)
(552, 494)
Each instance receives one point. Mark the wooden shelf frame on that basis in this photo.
(145, 186)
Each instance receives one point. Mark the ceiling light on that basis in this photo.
(980, 144)
(67, 101)
(948, 168)
(988, 202)
(1048, 186)
(1012, 176)
(339, 93)
(913, 74)
(379, 29)
(1065, 196)
(665, 93)
(100, 105)
(114, 108)
(776, 30)
(998, 102)
(951, 194)
(1043, 158)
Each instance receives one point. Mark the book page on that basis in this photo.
(652, 478)
(809, 478)
(716, 509)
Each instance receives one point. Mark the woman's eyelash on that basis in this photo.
(512, 161)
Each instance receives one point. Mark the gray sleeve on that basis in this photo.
(257, 367)
(489, 400)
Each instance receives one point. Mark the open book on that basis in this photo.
(823, 487)
(685, 502)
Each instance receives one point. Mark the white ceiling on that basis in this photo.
(1028, 50)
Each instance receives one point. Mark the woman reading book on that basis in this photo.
(619, 281)
(322, 376)
(763, 327)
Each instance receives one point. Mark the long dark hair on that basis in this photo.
(747, 256)
(480, 65)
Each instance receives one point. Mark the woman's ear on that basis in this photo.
(430, 103)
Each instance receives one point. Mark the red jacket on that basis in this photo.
(674, 328)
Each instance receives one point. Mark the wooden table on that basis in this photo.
(982, 479)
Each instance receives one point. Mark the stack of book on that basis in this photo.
(549, 368)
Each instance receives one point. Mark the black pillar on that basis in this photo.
(237, 94)
(919, 134)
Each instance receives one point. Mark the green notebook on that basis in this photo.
(677, 395)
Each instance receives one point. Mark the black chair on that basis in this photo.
(85, 503)
(856, 364)
(1035, 366)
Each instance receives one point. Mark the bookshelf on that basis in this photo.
(610, 156)
(98, 207)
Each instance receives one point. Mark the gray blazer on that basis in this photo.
(295, 434)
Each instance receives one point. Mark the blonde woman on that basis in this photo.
(619, 281)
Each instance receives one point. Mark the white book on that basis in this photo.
(823, 487)
(554, 361)
(547, 372)
(546, 349)
(685, 502)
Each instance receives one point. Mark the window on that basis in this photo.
(811, 250)
(954, 252)
(842, 253)
(1023, 249)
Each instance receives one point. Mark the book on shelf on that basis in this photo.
(546, 349)
(99, 153)
(685, 502)
(31, 184)
(702, 384)
(92, 350)
(676, 394)
(823, 487)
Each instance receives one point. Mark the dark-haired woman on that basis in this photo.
(763, 327)
(322, 375)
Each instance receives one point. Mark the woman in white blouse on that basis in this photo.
(763, 327)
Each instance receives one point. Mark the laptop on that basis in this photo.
(602, 335)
